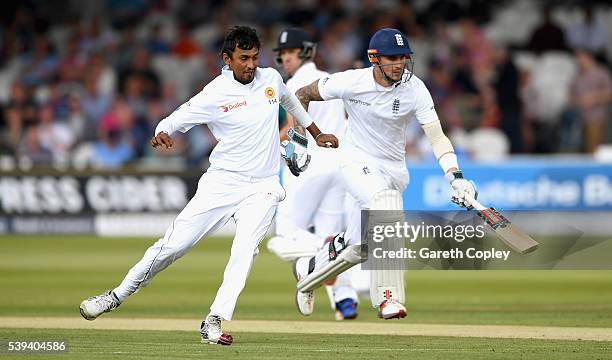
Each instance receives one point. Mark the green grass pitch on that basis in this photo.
(49, 276)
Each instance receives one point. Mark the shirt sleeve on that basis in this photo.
(196, 111)
(293, 106)
(424, 110)
(334, 86)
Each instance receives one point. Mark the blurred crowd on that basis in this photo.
(84, 83)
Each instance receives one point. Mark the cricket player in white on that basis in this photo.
(240, 107)
(381, 101)
(315, 197)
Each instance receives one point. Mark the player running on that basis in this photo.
(317, 196)
(380, 101)
(240, 107)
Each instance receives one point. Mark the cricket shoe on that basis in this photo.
(391, 309)
(346, 309)
(211, 331)
(95, 306)
(303, 300)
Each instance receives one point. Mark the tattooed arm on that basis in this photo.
(309, 93)
(296, 108)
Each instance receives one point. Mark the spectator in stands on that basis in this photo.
(185, 46)
(123, 52)
(75, 118)
(54, 136)
(139, 128)
(21, 33)
(444, 92)
(94, 104)
(589, 34)
(133, 129)
(19, 114)
(55, 98)
(160, 108)
(120, 66)
(591, 94)
(478, 53)
(105, 74)
(141, 67)
(97, 37)
(41, 65)
(340, 44)
(548, 36)
(506, 84)
(157, 45)
(467, 98)
(73, 63)
(134, 95)
(31, 148)
(478, 49)
(112, 150)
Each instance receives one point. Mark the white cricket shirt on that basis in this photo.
(329, 115)
(378, 115)
(243, 118)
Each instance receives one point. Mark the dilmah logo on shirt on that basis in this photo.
(226, 108)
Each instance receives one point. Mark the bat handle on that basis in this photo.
(477, 205)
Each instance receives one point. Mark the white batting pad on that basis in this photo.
(386, 284)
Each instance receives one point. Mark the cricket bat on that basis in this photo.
(509, 234)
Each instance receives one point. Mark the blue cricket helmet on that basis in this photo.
(388, 42)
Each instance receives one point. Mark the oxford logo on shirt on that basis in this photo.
(229, 107)
(270, 94)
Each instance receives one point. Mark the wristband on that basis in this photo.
(448, 161)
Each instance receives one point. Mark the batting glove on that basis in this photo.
(294, 152)
(461, 188)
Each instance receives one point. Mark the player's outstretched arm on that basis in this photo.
(198, 110)
(445, 153)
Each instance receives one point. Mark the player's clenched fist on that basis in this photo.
(327, 140)
(162, 139)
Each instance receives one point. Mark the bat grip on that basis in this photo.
(474, 202)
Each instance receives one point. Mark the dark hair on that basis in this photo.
(242, 37)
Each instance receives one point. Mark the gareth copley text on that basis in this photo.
(426, 254)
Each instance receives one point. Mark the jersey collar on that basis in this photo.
(379, 87)
(229, 74)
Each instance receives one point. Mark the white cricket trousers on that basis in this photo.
(220, 196)
(363, 176)
(316, 198)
